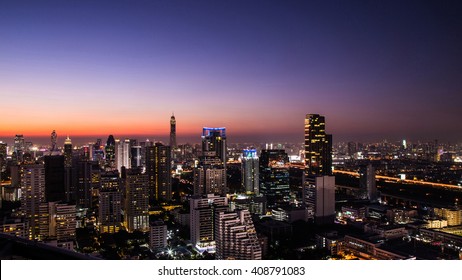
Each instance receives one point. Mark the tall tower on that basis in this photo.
(318, 146)
(136, 201)
(55, 187)
(173, 144)
(110, 202)
(214, 143)
(319, 184)
(68, 152)
(210, 175)
(274, 176)
(111, 152)
(19, 147)
(158, 166)
(32, 195)
(250, 171)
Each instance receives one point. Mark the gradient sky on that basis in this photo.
(375, 69)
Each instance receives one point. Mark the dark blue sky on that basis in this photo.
(375, 69)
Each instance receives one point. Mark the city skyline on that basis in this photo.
(375, 70)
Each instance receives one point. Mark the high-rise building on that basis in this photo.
(19, 147)
(274, 176)
(55, 178)
(250, 171)
(163, 166)
(158, 168)
(54, 138)
(32, 195)
(68, 152)
(319, 198)
(318, 146)
(209, 178)
(111, 152)
(173, 143)
(157, 235)
(3, 148)
(126, 154)
(88, 179)
(136, 201)
(235, 236)
(118, 155)
(135, 160)
(319, 185)
(110, 203)
(202, 228)
(214, 143)
(210, 174)
(367, 182)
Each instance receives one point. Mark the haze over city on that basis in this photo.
(376, 70)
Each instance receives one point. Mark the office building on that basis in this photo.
(274, 176)
(318, 146)
(319, 198)
(319, 185)
(235, 236)
(250, 171)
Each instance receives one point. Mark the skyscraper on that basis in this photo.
(158, 167)
(19, 147)
(214, 143)
(54, 138)
(110, 152)
(318, 146)
(173, 143)
(32, 195)
(67, 152)
(119, 158)
(319, 185)
(274, 176)
(210, 174)
(88, 179)
(250, 171)
(135, 160)
(136, 201)
(110, 203)
(55, 178)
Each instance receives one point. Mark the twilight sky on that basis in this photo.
(375, 69)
